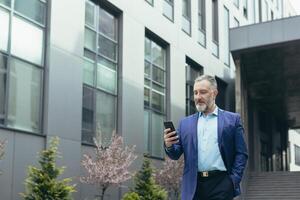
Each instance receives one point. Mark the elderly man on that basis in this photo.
(214, 149)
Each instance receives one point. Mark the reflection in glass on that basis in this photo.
(88, 115)
(158, 88)
(157, 136)
(106, 115)
(147, 71)
(107, 24)
(90, 39)
(3, 66)
(34, 9)
(22, 45)
(147, 49)
(158, 75)
(106, 79)
(107, 47)
(5, 2)
(158, 55)
(157, 101)
(146, 97)
(24, 96)
(168, 9)
(88, 73)
(103, 61)
(4, 24)
(146, 130)
(147, 82)
(90, 13)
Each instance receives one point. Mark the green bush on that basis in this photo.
(42, 183)
(131, 196)
(145, 186)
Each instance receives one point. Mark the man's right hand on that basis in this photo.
(170, 137)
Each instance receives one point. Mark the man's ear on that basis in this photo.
(216, 92)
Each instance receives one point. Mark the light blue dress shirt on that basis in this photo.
(209, 156)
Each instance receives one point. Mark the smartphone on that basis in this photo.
(169, 124)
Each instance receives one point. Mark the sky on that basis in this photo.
(296, 5)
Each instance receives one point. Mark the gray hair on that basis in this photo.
(210, 79)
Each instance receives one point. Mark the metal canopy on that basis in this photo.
(269, 57)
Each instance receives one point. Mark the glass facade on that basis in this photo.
(297, 155)
(168, 9)
(226, 37)
(154, 97)
(215, 28)
(99, 110)
(192, 71)
(186, 16)
(201, 23)
(22, 64)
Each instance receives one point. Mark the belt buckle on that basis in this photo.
(204, 174)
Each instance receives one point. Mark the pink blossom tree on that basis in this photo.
(2, 151)
(2, 146)
(170, 176)
(110, 164)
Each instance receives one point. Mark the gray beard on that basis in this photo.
(204, 107)
(201, 108)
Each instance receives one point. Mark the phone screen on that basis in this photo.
(169, 125)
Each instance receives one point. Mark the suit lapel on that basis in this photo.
(194, 128)
(220, 126)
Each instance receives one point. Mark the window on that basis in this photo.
(221, 97)
(192, 71)
(34, 9)
(236, 3)
(99, 74)
(226, 37)
(297, 155)
(168, 9)
(186, 16)
(215, 28)
(201, 23)
(6, 2)
(3, 68)
(4, 24)
(154, 96)
(245, 8)
(21, 65)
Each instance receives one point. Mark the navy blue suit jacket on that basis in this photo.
(231, 144)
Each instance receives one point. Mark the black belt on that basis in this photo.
(207, 174)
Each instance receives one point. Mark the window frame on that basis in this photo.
(41, 66)
(226, 10)
(297, 155)
(98, 56)
(202, 16)
(190, 65)
(187, 18)
(215, 27)
(171, 3)
(149, 109)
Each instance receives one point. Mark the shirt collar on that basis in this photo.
(214, 113)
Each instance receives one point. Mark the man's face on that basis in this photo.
(204, 95)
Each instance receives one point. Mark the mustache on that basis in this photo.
(198, 102)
